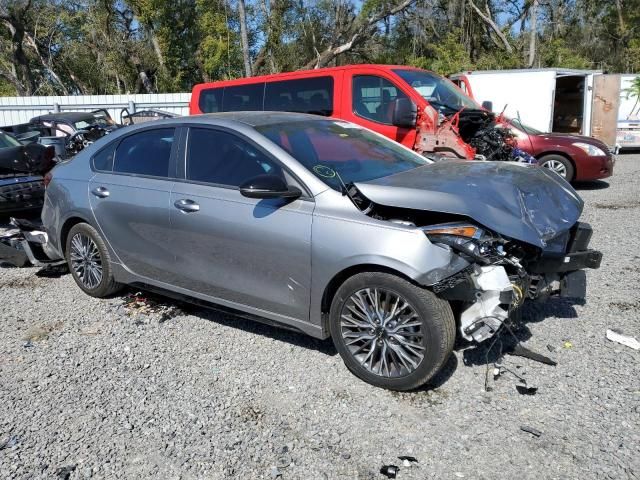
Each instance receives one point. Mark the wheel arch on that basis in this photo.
(560, 153)
(68, 224)
(339, 278)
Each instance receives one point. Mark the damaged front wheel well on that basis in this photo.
(332, 287)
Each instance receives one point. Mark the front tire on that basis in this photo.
(390, 332)
(89, 261)
(558, 164)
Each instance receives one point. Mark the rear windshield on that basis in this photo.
(334, 150)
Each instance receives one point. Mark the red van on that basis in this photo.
(420, 109)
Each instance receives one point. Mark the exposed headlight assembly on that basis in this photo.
(589, 149)
(461, 237)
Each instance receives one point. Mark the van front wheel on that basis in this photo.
(389, 332)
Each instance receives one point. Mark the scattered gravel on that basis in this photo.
(90, 389)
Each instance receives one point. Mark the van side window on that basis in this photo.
(210, 100)
(308, 95)
(145, 153)
(243, 98)
(373, 98)
(218, 157)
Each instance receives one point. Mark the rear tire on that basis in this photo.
(558, 164)
(415, 337)
(89, 261)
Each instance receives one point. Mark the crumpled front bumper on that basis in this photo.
(490, 293)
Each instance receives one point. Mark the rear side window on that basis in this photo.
(308, 95)
(219, 157)
(243, 98)
(103, 160)
(373, 98)
(210, 100)
(145, 153)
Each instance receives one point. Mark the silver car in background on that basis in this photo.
(321, 226)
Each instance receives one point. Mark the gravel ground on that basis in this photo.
(89, 391)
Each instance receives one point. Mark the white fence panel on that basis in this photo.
(15, 110)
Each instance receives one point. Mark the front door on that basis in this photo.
(248, 252)
(372, 102)
(129, 196)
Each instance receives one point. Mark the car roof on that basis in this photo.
(252, 119)
(64, 116)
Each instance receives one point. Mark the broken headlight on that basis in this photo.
(464, 238)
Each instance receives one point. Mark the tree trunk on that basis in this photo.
(21, 73)
(534, 33)
(244, 38)
(489, 21)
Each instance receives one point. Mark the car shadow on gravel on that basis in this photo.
(493, 350)
(593, 185)
(258, 327)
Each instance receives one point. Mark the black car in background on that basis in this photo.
(21, 174)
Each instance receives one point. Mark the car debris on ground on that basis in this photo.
(627, 341)
(531, 430)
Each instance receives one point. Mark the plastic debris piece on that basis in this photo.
(531, 430)
(521, 351)
(9, 442)
(64, 473)
(390, 471)
(551, 348)
(408, 458)
(526, 390)
(627, 341)
(275, 473)
(567, 344)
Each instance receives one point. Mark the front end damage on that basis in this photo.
(503, 274)
(512, 231)
(470, 134)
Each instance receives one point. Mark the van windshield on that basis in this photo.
(334, 150)
(438, 91)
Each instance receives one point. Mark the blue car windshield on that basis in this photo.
(334, 150)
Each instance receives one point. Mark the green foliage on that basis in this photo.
(556, 53)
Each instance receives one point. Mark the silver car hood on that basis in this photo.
(523, 202)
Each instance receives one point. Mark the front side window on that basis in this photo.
(308, 95)
(373, 98)
(243, 98)
(336, 151)
(222, 158)
(145, 153)
(438, 91)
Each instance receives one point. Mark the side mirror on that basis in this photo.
(487, 105)
(268, 186)
(405, 113)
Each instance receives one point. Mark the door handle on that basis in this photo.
(100, 192)
(186, 205)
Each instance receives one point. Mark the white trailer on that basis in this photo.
(628, 134)
(548, 99)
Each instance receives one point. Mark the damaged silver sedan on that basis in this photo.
(320, 226)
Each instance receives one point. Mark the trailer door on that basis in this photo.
(604, 109)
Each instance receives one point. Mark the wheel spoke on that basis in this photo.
(383, 332)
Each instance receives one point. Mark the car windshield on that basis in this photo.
(335, 150)
(93, 120)
(7, 141)
(438, 91)
(525, 128)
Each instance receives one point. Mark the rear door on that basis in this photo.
(246, 251)
(129, 196)
(369, 102)
(604, 110)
